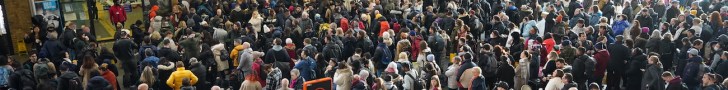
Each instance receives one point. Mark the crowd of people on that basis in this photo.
(388, 45)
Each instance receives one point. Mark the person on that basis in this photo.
(307, 65)
(602, 58)
(109, 76)
(5, 73)
(451, 74)
(118, 13)
(218, 50)
(272, 79)
(555, 81)
(124, 53)
(342, 77)
(673, 83)
(692, 69)
(649, 78)
(175, 79)
(634, 71)
(235, 53)
(617, 60)
(296, 80)
(98, 82)
(722, 68)
(199, 69)
(435, 83)
(410, 77)
(463, 74)
(165, 70)
(709, 82)
(478, 82)
(251, 83)
(89, 66)
(147, 77)
(279, 58)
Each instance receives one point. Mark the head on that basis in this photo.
(180, 64)
(709, 79)
(560, 63)
(295, 74)
(667, 76)
(567, 78)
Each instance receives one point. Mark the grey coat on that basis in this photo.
(651, 79)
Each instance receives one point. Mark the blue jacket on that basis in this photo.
(692, 69)
(619, 27)
(306, 66)
(153, 60)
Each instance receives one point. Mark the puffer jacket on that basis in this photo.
(342, 79)
(175, 80)
(217, 51)
(234, 54)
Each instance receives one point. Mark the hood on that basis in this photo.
(218, 47)
(696, 59)
(98, 82)
(344, 71)
(677, 80)
(277, 47)
(239, 47)
(69, 75)
(165, 67)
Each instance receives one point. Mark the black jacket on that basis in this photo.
(200, 71)
(123, 49)
(618, 56)
(634, 73)
(22, 79)
(98, 83)
(583, 68)
(722, 68)
(276, 54)
(506, 73)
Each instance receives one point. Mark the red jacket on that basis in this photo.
(602, 58)
(117, 14)
(383, 27)
(344, 24)
(109, 76)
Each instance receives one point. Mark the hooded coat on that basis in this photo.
(217, 51)
(98, 83)
(342, 79)
(175, 79)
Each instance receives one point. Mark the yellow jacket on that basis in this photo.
(175, 79)
(234, 54)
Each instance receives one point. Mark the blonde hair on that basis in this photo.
(147, 76)
(403, 55)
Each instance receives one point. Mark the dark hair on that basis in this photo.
(569, 77)
(3, 60)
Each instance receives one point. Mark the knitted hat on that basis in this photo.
(289, 41)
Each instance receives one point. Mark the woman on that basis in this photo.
(551, 64)
(342, 77)
(165, 69)
(148, 77)
(521, 78)
(217, 51)
(651, 79)
(555, 82)
(667, 50)
(89, 65)
(251, 83)
(435, 83)
(452, 72)
(653, 44)
(378, 84)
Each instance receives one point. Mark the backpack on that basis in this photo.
(42, 70)
(23, 77)
(491, 67)
(386, 58)
(418, 84)
(74, 83)
(5, 76)
(312, 71)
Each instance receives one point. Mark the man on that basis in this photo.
(568, 52)
(673, 83)
(410, 77)
(175, 79)
(602, 57)
(150, 60)
(645, 19)
(236, 54)
(583, 67)
(123, 51)
(306, 64)
(478, 82)
(118, 14)
(693, 69)
(278, 57)
(465, 65)
(618, 58)
(722, 68)
(635, 69)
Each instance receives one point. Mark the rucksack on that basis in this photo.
(491, 68)
(5, 76)
(418, 84)
(41, 70)
(74, 83)
(386, 58)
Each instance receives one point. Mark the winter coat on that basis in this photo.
(250, 85)
(234, 54)
(452, 74)
(332, 50)
(306, 66)
(692, 70)
(601, 58)
(109, 76)
(619, 27)
(676, 84)
(175, 79)
(478, 83)
(554, 84)
(722, 68)
(296, 83)
(86, 73)
(466, 75)
(217, 51)
(276, 54)
(200, 71)
(98, 83)
(273, 79)
(23, 78)
(165, 71)
(583, 68)
(652, 78)
(634, 73)
(522, 72)
(343, 78)
(506, 73)
(618, 55)
(245, 61)
(51, 49)
(191, 46)
(66, 77)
